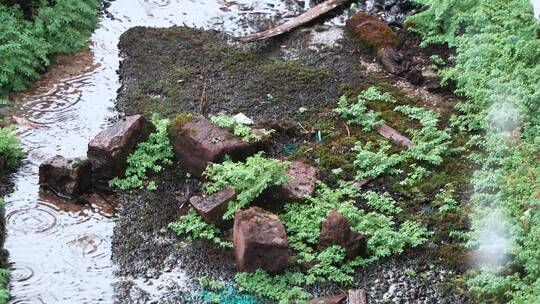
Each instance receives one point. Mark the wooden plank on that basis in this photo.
(306, 17)
(390, 133)
(357, 296)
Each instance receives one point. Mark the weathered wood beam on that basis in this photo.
(390, 133)
(306, 17)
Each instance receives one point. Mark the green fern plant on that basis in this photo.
(192, 226)
(249, 179)
(149, 157)
(10, 147)
(496, 66)
(239, 129)
(26, 45)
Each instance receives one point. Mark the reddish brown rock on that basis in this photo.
(335, 299)
(109, 149)
(212, 208)
(372, 30)
(66, 177)
(197, 142)
(302, 183)
(335, 230)
(260, 241)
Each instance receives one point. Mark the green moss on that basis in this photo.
(177, 123)
(181, 73)
(293, 70)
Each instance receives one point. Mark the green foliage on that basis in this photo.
(238, 129)
(358, 112)
(25, 45)
(150, 156)
(496, 66)
(249, 179)
(10, 147)
(429, 143)
(192, 226)
(370, 164)
(445, 200)
(303, 223)
(210, 284)
(383, 203)
(4, 291)
(282, 288)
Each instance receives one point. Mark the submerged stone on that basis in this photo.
(109, 149)
(335, 230)
(197, 142)
(213, 207)
(66, 177)
(260, 241)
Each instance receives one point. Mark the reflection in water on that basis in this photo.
(60, 252)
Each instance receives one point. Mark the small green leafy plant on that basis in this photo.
(358, 112)
(496, 67)
(249, 179)
(192, 226)
(150, 156)
(4, 291)
(10, 147)
(303, 223)
(241, 130)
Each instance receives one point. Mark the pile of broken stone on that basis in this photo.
(259, 236)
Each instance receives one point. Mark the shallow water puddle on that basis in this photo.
(60, 252)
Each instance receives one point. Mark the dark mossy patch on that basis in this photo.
(171, 70)
(177, 123)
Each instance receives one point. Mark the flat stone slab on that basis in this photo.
(198, 142)
(213, 207)
(260, 241)
(66, 177)
(302, 183)
(109, 149)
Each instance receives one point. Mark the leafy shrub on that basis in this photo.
(237, 128)
(383, 203)
(150, 156)
(249, 179)
(429, 143)
(358, 112)
(496, 66)
(303, 223)
(192, 226)
(10, 147)
(370, 164)
(25, 45)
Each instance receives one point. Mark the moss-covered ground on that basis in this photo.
(180, 70)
